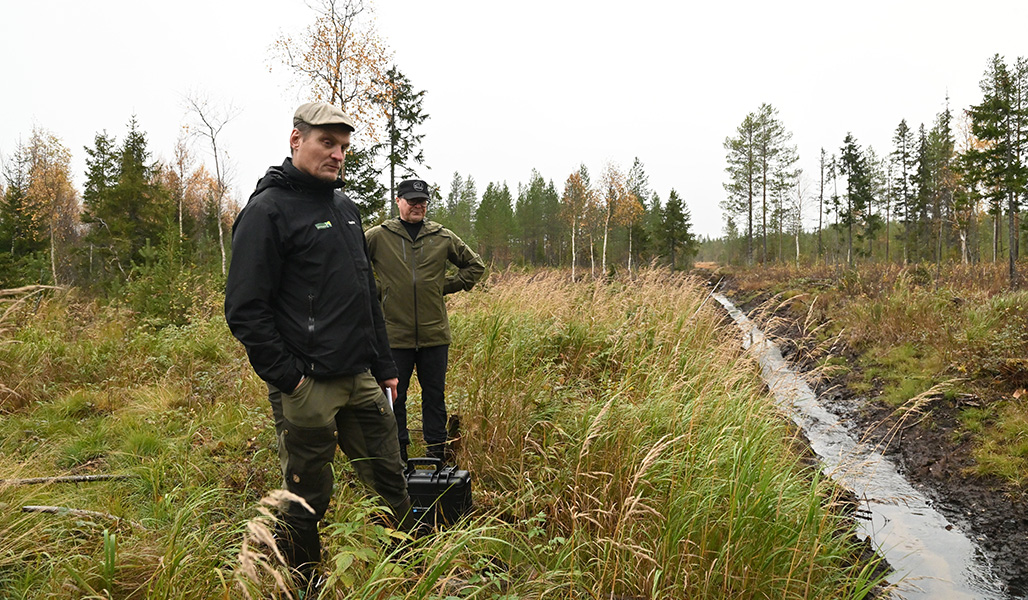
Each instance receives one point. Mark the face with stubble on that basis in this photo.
(412, 210)
(321, 151)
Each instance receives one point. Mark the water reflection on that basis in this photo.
(933, 559)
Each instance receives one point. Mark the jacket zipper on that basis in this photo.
(311, 322)
(414, 285)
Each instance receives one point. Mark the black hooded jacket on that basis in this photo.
(300, 293)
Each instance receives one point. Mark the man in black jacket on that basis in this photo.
(301, 298)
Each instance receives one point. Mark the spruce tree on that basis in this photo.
(363, 183)
(1001, 122)
(653, 221)
(940, 145)
(676, 226)
(494, 223)
(403, 149)
(135, 209)
(639, 194)
(460, 208)
(533, 207)
(19, 234)
(853, 165)
(877, 197)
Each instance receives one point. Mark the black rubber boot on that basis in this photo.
(436, 451)
(301, 547)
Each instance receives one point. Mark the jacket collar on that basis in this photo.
(308, 182)
(427, 227)
(289, 177)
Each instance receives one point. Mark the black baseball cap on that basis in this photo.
(412, 189)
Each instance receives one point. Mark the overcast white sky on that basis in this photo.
(518, 85)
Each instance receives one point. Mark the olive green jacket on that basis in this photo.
(412, 280)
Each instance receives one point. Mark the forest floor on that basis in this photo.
(932, 451)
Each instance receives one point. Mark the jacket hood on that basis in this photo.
(289, 177)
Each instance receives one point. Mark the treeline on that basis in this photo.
(951, 191)
(615, 222)
(136, 214)
(132, 213)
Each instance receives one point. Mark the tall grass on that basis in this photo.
(622, 446)
(625, 415)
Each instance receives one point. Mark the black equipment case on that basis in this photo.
(440, 495)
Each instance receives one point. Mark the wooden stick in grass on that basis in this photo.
(78, 512)
(61, 479)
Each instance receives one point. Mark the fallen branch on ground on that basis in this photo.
(62, 479)
(78, 512)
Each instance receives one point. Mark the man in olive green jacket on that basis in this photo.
(409, 255)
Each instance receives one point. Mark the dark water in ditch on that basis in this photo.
(932, 558)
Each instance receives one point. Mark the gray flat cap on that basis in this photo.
(321, 113)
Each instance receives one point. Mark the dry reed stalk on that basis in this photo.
(912, 407)
(254, 562)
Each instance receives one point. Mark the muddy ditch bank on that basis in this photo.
(930, 454)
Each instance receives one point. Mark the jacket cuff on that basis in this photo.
(286, 385)
(452, 286)
(384, 369)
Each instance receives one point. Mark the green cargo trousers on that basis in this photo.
(351, 412)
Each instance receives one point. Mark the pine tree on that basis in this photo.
(904, 161)
(744, 176)
(776, 159)
(761, 167)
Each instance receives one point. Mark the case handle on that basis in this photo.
(426, 461)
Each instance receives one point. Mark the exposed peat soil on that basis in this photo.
(931, 455)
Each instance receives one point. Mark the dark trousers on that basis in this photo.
(353, 414)
(431, 366)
